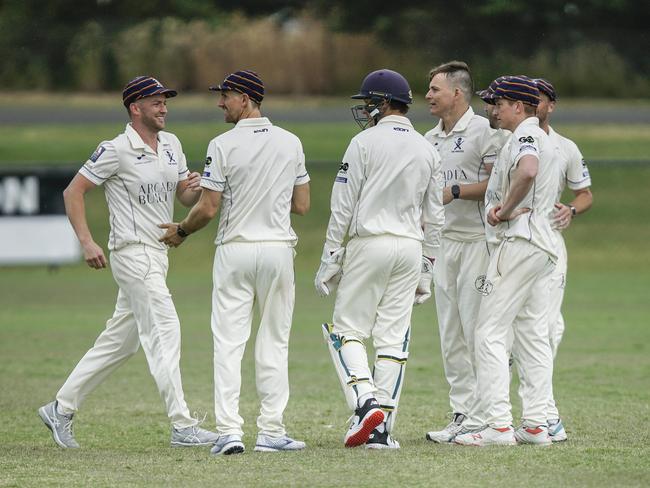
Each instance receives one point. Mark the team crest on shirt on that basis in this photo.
(206, 169)
(170, 155)
(98, 152)
(458, 145)
(341, 177)
(483, 285)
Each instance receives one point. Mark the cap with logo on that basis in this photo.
(245, 81)
(144, 86)
(547, 88)
(518, 88)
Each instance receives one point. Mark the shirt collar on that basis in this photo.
(529, 121)
(395, 119)
(137, 142)
(251, 122)
(460, 126)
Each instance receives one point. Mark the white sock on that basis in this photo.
(363, 398)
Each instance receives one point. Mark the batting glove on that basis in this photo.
(329, 273)
(423, 291)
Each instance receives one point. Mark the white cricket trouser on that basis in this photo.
(517, 291)
(375, 298)
(243, 273)
(458, 275)
(144, 314)
(556, 320)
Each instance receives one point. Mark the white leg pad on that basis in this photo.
(351, 364)
(388, 376)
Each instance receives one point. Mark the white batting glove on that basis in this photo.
(329, 272)
(423, 291)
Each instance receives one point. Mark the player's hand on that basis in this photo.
(171, 237)
(562, 217)
(94, 255)
(330, 271)
(423, 291)
(194, 182)
(503, 216)
(492, 216)
(446, 195)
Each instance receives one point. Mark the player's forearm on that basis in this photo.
(188, 198)
(473, 191)
(336, 229)
(522, 181)
(203, 212)
(582, 201)
(75, 209)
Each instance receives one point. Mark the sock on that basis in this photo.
(363, 398)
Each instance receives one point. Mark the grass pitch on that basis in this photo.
(50, 317)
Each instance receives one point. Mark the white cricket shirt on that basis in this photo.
(388, 183)
(534, 226)
(465, 151)
(139, 184)
(572, 167)
(255, 166)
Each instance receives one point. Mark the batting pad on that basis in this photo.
(388, 377)
(351, 364)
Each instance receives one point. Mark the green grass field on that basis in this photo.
(50, 317)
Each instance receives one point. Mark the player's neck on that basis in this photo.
(450, 119)
(545, 126)
(148, 135)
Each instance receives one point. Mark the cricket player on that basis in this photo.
(142, 170)
(387, 196)
(573, 172)
(468, 147)
(256, 174)
(516, 287)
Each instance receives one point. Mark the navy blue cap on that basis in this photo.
(144, 86)
(547, 88)
(518, 88)
(244, 81)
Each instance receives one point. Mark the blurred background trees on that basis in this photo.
(587, 48)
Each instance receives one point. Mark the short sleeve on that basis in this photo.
(102, 164)
(524, 144)
(578, 176)
(302, 176)
(213, 177)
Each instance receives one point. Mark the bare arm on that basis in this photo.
(75, 208)
(522, 182)
(188, 191)
(300, 200)
(472, 191)
(202, 213)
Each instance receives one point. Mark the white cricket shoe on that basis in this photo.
(537, 436)
(227, 445)
(365, 419)
(193, 436)
(59, 424)
(447, 434)
(556, 430)
(381, 440)
(489, 436)
(266, 443)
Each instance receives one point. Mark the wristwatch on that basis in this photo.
(181, 232)
(455, 191)
(573, 211)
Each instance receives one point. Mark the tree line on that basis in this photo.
(587, 48)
